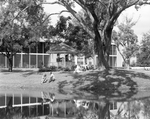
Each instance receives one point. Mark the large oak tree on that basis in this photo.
(102, 15)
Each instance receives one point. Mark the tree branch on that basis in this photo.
(121, 54)
(130, 4)
(55, 14)
(67, 6)
(19, 13)
(38, 5)
(79, 3)
(52, 3)
(49, 16)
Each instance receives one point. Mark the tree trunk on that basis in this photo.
(128, 64)
(101, 59)
(107, 38)
(10, 61)
(100, 50)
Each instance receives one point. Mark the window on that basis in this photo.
(112, 61)
(113, 50)
(40, 47)
(113, 106)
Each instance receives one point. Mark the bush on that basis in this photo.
(73, 67)
(60, 68)
(67, 69)
(46, 69)
(52, 68)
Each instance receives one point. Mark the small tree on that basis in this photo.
(11, 44)
(143, 57)
(20, 22)
(10, 32)
(126, 40)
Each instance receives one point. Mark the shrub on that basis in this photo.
(46, 69)
(60, 68)
(73, 67)
(52, 68)
(67, 69)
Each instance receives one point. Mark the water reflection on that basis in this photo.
(48, 105)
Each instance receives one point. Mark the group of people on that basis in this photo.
(49, 79)
(80, 68)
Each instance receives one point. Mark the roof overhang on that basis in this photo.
(61, 49)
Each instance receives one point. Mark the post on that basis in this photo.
(6, 64)
(37, 57)
(13, 61)
(21, 59)
(29, 57)
(43, 54)
(75, 60)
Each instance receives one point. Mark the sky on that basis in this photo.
(142, 17)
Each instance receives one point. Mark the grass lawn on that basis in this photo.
(88, 80)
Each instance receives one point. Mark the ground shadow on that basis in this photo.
(130, 73)
(26, 72)
(115, 83)
(31, 73)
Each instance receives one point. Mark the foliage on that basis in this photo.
(74, 36)
(79, 39)
(143, 57)
(126, 40)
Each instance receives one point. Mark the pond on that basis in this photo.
(72, 104)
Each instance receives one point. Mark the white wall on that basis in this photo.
(119, 58)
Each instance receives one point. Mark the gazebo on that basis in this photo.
(68, 52)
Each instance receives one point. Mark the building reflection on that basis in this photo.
(50, 106)
(29, 106)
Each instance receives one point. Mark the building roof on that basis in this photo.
(61, 48)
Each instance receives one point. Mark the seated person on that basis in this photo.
(77, 69)
(52, 77)
(44, 78)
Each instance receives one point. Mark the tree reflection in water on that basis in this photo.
(110, 109)
(50, 107)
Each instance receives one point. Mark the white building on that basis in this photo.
(40, 56)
